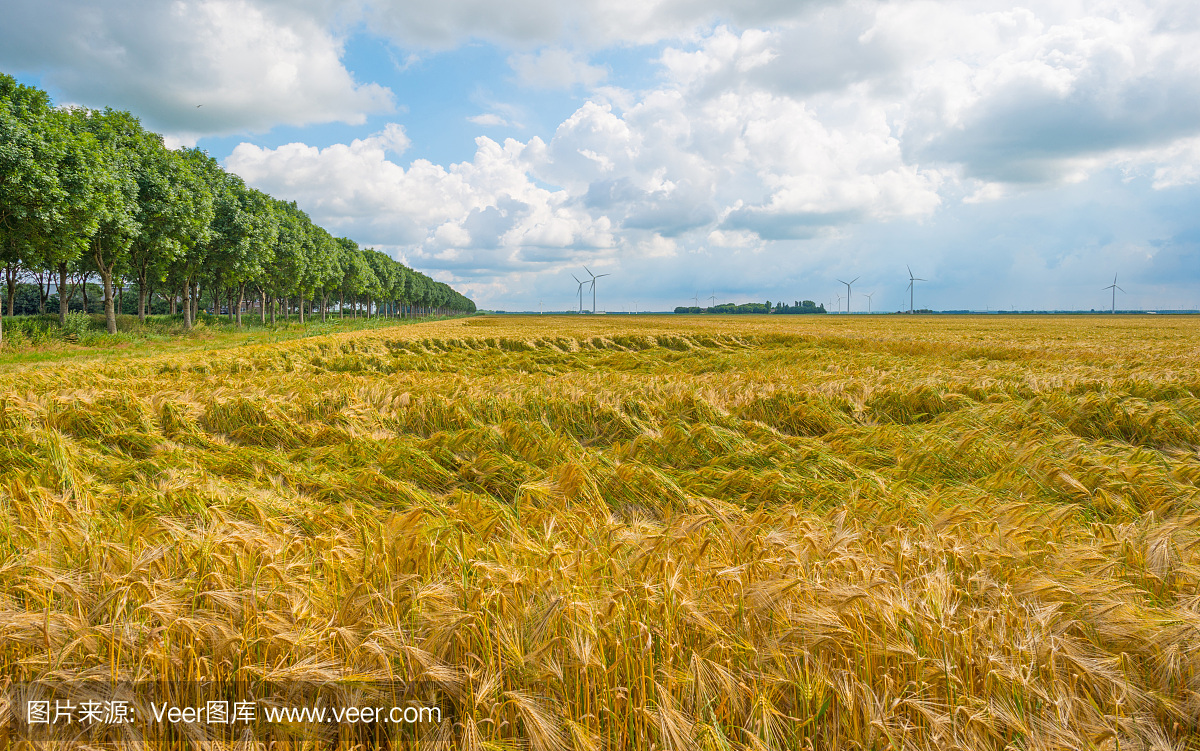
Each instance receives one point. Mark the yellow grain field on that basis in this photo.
(784, 532)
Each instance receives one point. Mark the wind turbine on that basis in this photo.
(1114, 289)
(912, 283)
(580, 291)
(713, 297)
(869, 301)
(594, 278)
(852, 281)
(839, 303)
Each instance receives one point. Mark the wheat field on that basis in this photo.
(775, 532)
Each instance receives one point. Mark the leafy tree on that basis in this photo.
(357, 275)
(320, 266)
(117, 135)
(257, 249)
(173, 209)
(287, 267)
(86, 193)
(199, 240)
(30, 191)
(330, 256)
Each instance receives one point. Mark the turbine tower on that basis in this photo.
(580, 292)
(852, 281)
(869, 296)
(594, 278)
(1114, 289)
(839, 304)
(912, 283)
(713, 297)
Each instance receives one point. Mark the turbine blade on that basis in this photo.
(855, 279)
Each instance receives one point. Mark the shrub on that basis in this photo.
(76, 325)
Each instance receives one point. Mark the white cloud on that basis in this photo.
(657, 246)
(528, 23)
(1045, 96)
(764, 131)
(556, 68)
(489, 204)
(488, 120)
(1179, 165)
(249, 65)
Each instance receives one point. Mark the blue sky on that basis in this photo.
(1013, 157)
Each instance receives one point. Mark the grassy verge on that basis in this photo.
(40, 339)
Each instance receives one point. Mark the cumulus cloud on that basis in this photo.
(1175, 165)
(488, 205)
(556, 68)
(249, 66)
(766, 129)
(798, 142)
(595, 23)
(1016, 96)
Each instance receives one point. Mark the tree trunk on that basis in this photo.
(262, 308)
(271, 303)
(142, 296)
(187, 306)
(106, 275)
(110, 310)
(42, 295)
(241, 295)
(10, 278)
(300, 307)
(341, 303)
(64, 302)
(324, 302)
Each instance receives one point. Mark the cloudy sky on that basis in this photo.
(1013, 156)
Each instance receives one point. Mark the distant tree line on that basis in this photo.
(90, 195)
(799, 307)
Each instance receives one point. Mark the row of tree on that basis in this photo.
(88, 194)
(801, 307)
